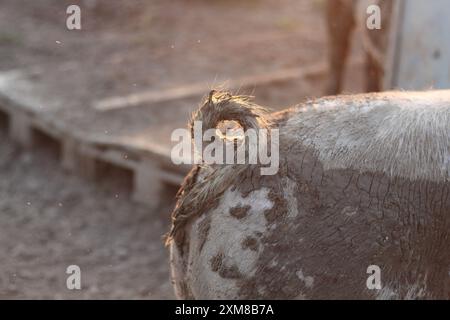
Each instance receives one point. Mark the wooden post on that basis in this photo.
(147, 184)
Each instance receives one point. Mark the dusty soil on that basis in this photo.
(125, 47)
(50, 220)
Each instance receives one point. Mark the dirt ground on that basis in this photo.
(126, 47)
(49, 219)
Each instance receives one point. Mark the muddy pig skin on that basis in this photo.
(363, 180)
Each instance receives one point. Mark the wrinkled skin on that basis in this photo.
(356, 187)
(344, 16)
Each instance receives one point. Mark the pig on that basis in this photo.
(363, 184)
(344, 16)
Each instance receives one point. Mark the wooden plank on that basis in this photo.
(198, 89)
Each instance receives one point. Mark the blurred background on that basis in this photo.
(86, 117)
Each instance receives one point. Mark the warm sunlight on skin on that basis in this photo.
(230, 130)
